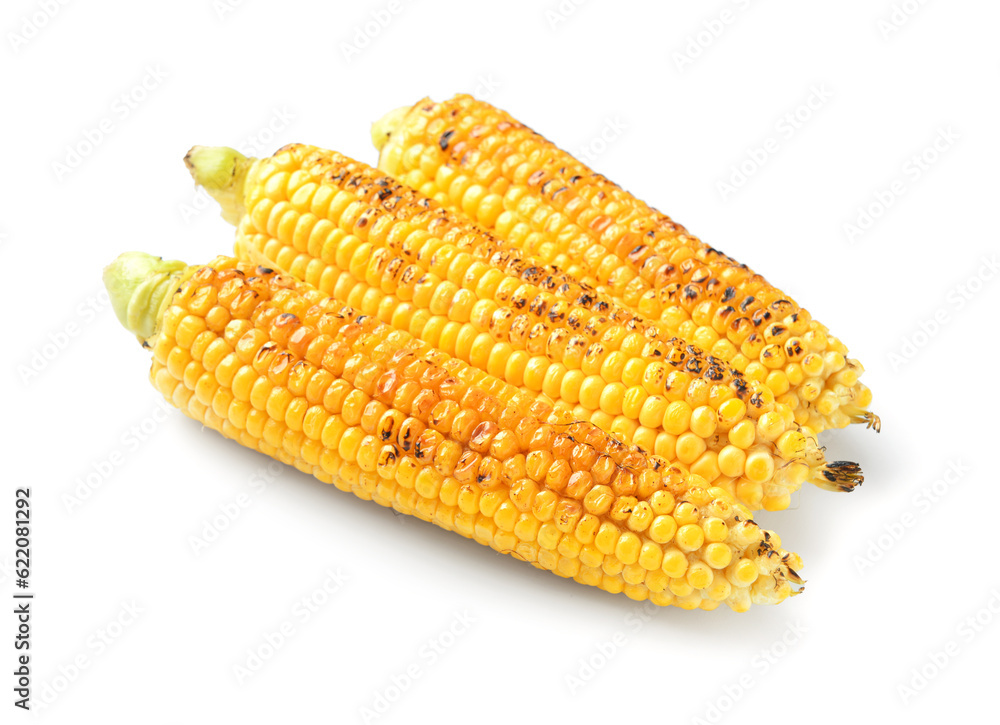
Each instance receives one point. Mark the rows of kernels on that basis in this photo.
(726, 467)
(502, 323)
(557, 209)
(452, 267)
(301, 413)
(654, 399)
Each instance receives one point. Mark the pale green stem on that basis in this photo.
(222, 172)
(141, 286)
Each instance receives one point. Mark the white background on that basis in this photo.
(690, 106)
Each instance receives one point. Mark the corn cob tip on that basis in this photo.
(221, 171)
(382, 129)
(139, 286)
(839, 476)
(776, 578)
(795, 578)
(868, 418)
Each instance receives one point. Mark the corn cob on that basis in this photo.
(473, 158)
(286, 370)
(374, 244)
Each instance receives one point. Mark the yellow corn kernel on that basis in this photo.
(662, 529)
(686, 513)
(628, 548)
(707, 466)
(715, 529)
(641, 517)
(607, 538)
(704, 421)
(689, 448)
(689, 537)
(677, 418)
(743, 434)
(662, 502)
(699, 575)
(731, 412)
(731, 461)
(717, 555)
(675, 563)
(759, 466)
(650, 557)
(742, 572)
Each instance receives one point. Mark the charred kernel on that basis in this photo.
(625, 484)
(567, 514)
(523, 492)
(623, 507)
(558, 474)
(697, 494)
(603, 469)
(466, 468)
(579, 484)
(584, 457)
(482, 436)
(544, 504)
(598, 500)
(586, 528)
(538, 464)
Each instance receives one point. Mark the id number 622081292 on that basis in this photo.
(22, 534)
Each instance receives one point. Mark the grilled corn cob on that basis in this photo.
(372, 243)
(286, 370)
(474, 158)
